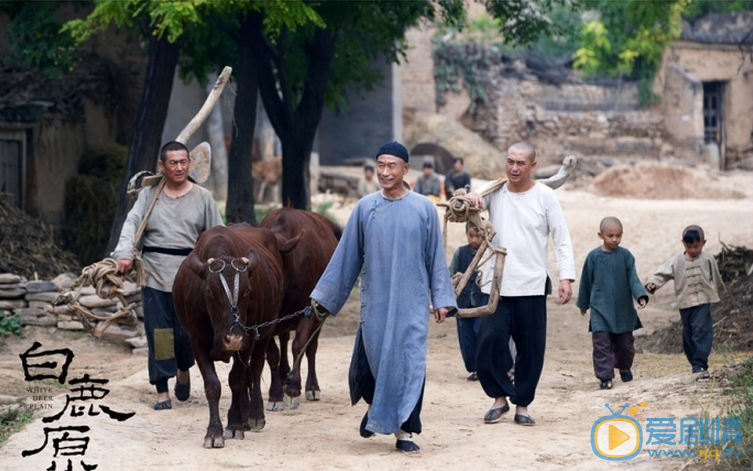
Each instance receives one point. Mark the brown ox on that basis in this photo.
(302, 268)
(229, 284)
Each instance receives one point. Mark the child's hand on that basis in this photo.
(642, 303)
(583, 312)
(651, 288)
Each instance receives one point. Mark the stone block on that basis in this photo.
(70, 325)
(30, 311)
(47, 320)
(49, 296)
(131, 289)
(119, 333)
(40, 304)
(140, 351)
(40, 286)
(137, 342)
(11, 304)
(8, 278)
(93, 301)
(12, 293)
(63, 281)
(88, 291)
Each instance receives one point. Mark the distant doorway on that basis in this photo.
(713, 120)
(12, 167)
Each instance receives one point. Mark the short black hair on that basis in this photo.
(172, 146)
(693, 233)
(428, 164)
(368, 167)
(458, 159)
(691, 236)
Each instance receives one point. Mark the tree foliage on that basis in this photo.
(34, 39)
(627, 39)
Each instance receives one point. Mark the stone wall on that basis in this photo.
(34, 303)
(602, 120)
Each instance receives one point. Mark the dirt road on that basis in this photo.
(324, 435)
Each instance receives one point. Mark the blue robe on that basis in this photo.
(396, 247)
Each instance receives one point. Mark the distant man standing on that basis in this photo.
(368, 183)
(456, 178)
(182, 212)
(524, 213)
(428, 183)
(394, 241)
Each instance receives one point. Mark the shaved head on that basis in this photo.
(529, 150)
(609, 221)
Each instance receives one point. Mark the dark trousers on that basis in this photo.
(363, 385)
(467, 337)
(523, 318)
(697, 334)
(169, 346)
(612, 351)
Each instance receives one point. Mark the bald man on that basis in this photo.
(524, 213)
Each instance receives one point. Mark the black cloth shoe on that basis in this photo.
(163, 405)
(362, 429)
(698, 369)
(525, 420)
(626, 376)
(605, 384)
(493, 415)
(407, 446)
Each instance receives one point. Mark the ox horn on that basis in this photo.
(251, 260)
(197, 266)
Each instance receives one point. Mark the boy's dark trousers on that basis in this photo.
(612, 351)
(697, 334)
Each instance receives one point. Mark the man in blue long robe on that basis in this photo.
(393, 240)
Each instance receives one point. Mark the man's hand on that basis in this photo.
(124, 265)
(475, 199)
(319, 311)
(566, 291)
(440, 315)
(651, 288)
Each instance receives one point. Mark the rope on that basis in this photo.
(459, 209)
(108, 284)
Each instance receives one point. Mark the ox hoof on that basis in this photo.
(214, 442)
(315, 395)
(275, 406)
(291, 402)
(256, 425)
(234, 434)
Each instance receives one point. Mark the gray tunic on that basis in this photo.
(175, 223)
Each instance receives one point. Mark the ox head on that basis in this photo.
(228, 293)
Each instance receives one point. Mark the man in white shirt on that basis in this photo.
(524, 213)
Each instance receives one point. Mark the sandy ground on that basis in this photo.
(324, 435)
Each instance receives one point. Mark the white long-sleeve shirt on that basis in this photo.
(523, 222)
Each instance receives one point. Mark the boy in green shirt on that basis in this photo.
(608, 285)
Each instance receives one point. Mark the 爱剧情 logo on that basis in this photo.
(617, 437)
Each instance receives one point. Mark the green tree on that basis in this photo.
(628, 38)
(34, 40)
(209, 34)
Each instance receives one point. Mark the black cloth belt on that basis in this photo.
(181, 252)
